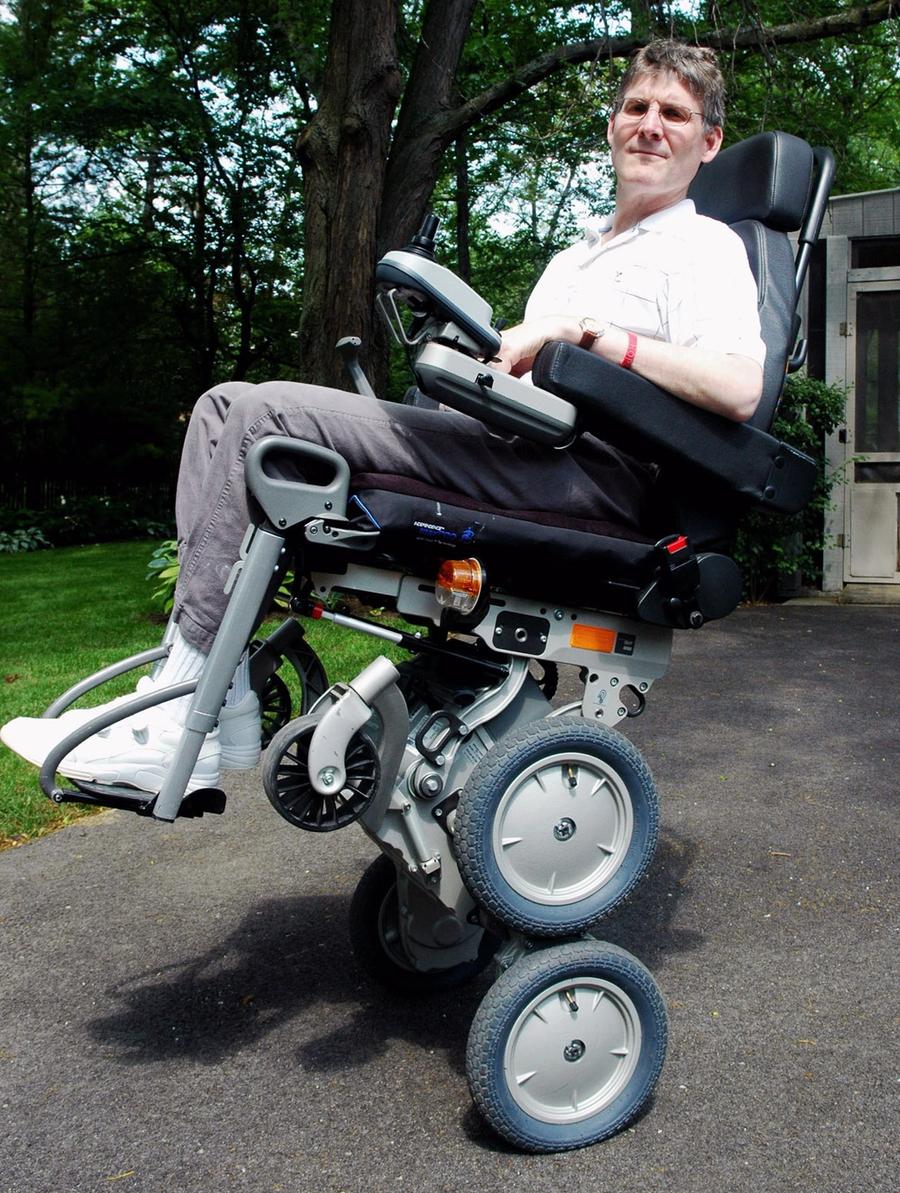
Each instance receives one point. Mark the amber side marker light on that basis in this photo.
(459, 583)
(593, 637)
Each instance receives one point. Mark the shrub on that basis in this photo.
(28, 538)
(163, 569)
(78, 520)
(771, 549)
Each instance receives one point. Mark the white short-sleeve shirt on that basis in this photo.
(675, 276)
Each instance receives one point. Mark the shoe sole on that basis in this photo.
(239, 758)
(143, 778)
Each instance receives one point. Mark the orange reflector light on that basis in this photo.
(459, 583)
(593, 637)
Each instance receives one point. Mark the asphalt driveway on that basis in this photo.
(179, 1008)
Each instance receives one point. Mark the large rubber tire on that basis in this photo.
(377, 944)
(556, 825)
(567, 1046)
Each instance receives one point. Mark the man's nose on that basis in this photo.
(651, 124)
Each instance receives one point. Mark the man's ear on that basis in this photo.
(609, 129)
(712, 143)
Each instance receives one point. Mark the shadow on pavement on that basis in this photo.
(288, 955)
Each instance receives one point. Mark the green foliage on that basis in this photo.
(151, 202)
(769, 550)
(163, 570)
(82, 519)
(28, 538)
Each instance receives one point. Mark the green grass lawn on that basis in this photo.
(68, 612)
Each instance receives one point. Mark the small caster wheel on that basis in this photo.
(567, 1046)
(377, 940)
(288, 785)
(556, 825)
(275, 708)
(284, 655)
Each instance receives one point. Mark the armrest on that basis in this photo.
(624, 409)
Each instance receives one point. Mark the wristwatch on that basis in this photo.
(590, 330)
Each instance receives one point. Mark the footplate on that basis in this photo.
(126, 799)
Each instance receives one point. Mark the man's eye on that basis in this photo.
(675, 115)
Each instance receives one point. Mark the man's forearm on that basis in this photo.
(723, 383)
(726, 384)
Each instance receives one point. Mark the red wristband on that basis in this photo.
(628, 359)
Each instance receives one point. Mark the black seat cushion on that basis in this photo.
(533, 553)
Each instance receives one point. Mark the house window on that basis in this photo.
(874, 252)
(878, 371)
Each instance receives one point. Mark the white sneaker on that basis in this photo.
(73, 717)
(237, 737)
(240, 734)
(135, 753)
(34, 737)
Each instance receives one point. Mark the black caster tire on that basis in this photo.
(556, 826)
(269, 671)
(567, 1046)
(287, 783)
(275, 708)
(377, 943)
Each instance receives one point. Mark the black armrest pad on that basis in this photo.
(624, 409)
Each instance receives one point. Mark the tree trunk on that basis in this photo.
(343, 153)
(463, 209)
(422, 132)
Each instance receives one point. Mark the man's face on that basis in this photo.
(653, 157)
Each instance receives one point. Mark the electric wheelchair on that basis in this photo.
(508, 825)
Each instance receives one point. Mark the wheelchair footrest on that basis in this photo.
(197, 803)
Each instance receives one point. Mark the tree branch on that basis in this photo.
(853, 20)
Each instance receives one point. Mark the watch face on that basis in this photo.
(590, 330)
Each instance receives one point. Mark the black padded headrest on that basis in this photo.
(767, 177)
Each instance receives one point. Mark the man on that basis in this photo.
(657, 289)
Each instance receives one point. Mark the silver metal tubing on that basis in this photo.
(102, 721)
(100, 677)
(354, 623)
(241, 616)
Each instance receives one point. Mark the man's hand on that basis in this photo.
(522, 343)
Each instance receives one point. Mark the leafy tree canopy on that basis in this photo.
(196, 190)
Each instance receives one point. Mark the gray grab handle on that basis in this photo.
(288, 501)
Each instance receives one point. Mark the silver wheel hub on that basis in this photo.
(563, 1066)
(562, 828)
(574, 1050)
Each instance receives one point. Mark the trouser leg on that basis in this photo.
(442, 448)
(200, 443)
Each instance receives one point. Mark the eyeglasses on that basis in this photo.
(637, 109)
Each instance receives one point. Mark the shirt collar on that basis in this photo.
(659, 221)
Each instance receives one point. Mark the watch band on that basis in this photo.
(591, 330)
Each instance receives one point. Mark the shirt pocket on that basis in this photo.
(637, 301)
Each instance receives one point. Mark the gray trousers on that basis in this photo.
(439, 447)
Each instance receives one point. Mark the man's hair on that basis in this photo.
(696, 66)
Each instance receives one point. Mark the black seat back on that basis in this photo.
(765, 187)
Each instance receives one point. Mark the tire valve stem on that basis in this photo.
(570, 999)
(571, 775)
